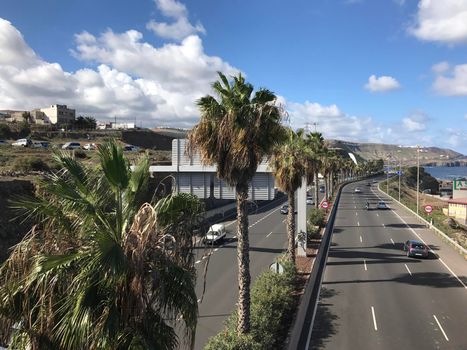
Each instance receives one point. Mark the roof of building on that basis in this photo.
(458, 201)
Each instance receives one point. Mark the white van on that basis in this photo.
(71, 145)
(216, 234)
(22, 143)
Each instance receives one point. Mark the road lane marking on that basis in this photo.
(199, 300)
(355, 207)
(361, 241)
(431, 251)
(441, 328)
(384, 226)
(356, 214)
(377, 214)
(197, 261)
(408, 269)
(374, 318)
(358, 223)
(364, 264)
(392, 242)
(269, 234)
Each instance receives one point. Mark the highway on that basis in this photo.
(374, 297)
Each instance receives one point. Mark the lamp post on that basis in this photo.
(418, 175)
(400, 173)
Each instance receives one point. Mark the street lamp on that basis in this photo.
(400, 173)
(418, 175)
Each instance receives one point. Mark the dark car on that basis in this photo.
(285, 209)
(321, 189)
(416, 248)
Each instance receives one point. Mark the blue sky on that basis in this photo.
(390, 71)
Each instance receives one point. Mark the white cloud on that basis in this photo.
(180, 28)
(415, 122)
(450, 81)
(158, 85)
(381, 84)
(443, 21)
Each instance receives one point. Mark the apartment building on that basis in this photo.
(59, 114)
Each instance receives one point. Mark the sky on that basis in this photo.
(385, 71)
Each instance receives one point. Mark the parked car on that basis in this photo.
(321, 189)
(309, 200)
(40, 144)
(22, 143)
(285, 209)
(382, 205)
(90, 146)
(4, 143)
(71, 145)
(215, 234)
(130, 148)
(357, 190)
(416, 248)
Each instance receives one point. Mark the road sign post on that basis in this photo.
(428, 209)
(324, 204)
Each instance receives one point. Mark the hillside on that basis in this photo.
(432, 156)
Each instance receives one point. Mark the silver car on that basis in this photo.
(416, 248)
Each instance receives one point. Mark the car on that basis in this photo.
(215, 234)
(71, 145)
(40, 144)
(321, 189)
(4, 143)
(375, 181)
(285, 209)
(416, 248)
(90, 146)
(130, 148)
(357, 190)
(382, 205)
(309, 200)
(22, 143)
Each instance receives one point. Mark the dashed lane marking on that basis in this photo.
(392, 242)
(374, 318)
(408, 269)
(441, 328)
(364, 264)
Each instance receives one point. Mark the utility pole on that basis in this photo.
(418, 175)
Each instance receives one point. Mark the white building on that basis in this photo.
(59, 114)
(190, 176)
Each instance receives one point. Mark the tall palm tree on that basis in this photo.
(101, 270)
(235, 132)
(288, 166)
(315, 144)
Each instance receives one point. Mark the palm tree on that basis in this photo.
(101, 270)
(288, 166)
(315, 144)
(236, 132)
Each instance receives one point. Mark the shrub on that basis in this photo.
(5, 131)
(316, 217)
(30, 164)
(272, 304)
(80, 154)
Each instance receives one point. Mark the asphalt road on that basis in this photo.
(267, 233)
(374, 297)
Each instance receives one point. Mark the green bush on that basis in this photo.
(5, 131)
(30, 164)
(272, 304)
(80, 154)
(316, 217)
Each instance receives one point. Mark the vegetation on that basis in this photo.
(26, 164)
(316, 217)
(272, 303)
(101, 270)
(5, 131)
(288, 166)
(315, 144)
(85, 123)
(236, 132)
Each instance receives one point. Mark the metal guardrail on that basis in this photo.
(301, 332)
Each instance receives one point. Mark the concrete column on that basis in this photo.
(301, 217)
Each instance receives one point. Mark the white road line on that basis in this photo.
(377, 214)
(408, 269)
(197, 261)
(374, 318)
(384, 225)
(431, 251)
(442, 330)
(392, 242)
(269, 234)
(355, 207)
(361, 241)
(364, 264)
(358, 223)
(356, 214)
(216, 249)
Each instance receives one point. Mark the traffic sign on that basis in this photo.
(324, 204)
(277, 268)
(428, 208)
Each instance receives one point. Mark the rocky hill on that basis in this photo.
(432, 156)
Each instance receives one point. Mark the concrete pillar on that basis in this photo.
(301, 218)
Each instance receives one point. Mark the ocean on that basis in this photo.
(447, 172)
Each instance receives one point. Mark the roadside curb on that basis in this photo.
(457, 247)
